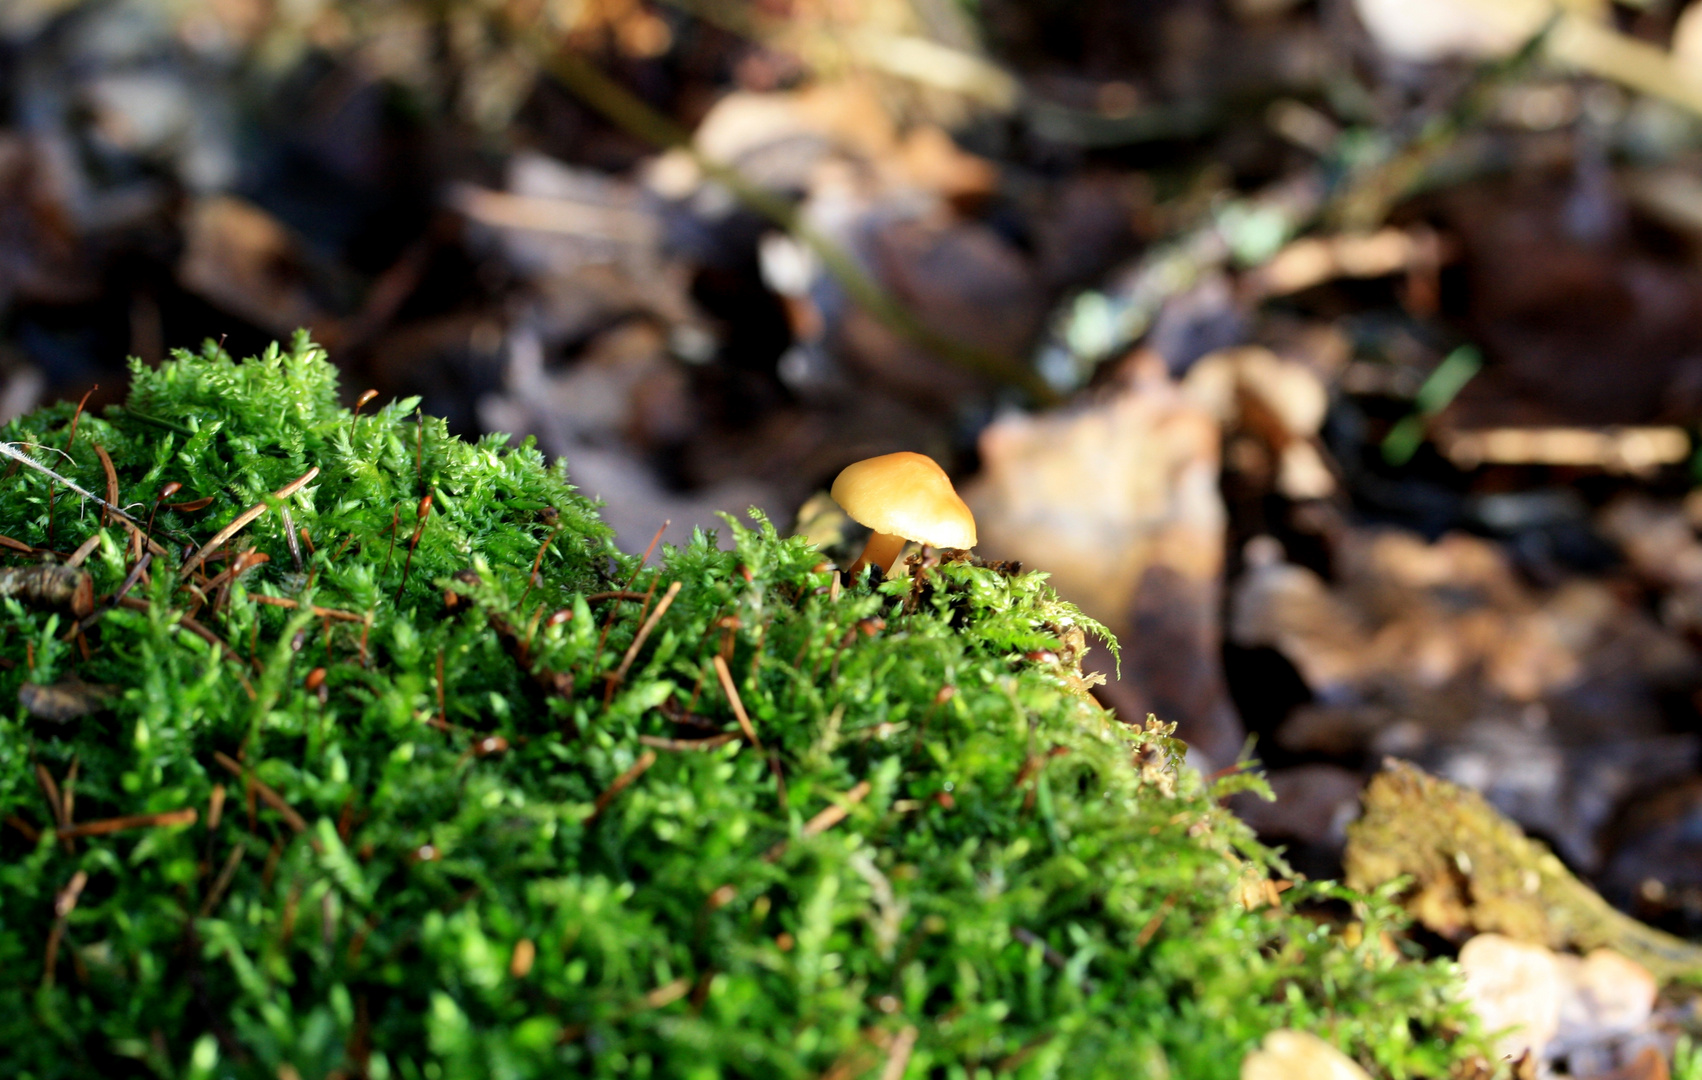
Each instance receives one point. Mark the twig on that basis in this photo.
(594, 598)
(8, 450)
(622, 782)
(186, 816)
(241, 521)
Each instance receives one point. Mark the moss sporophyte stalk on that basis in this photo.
(369, 755)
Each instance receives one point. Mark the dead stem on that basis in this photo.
(654, 540)
(599, 597)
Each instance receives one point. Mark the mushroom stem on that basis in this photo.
(881, 550)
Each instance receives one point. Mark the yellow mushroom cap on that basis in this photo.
(906, 495)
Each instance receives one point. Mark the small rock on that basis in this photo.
(1298, 1055)
(1515, 989)
(1610, 996)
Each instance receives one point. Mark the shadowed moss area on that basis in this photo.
(456, 819)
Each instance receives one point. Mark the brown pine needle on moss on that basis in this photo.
(644, 631)
(622, 782)
(268, 796)
(242, 520)
(186, 816)
(688, 744)
(824, 820)
(63, 904)
(222, 882)
(732, 692)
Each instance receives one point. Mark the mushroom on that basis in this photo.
(902, 496)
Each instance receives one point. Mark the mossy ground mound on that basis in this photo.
(486, 823)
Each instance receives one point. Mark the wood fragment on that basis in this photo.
(186, 816)
(668, 993)
(1473, 870)
(622, 782)
(732, 692)
(16, 545)
(242, 520)
(63, 702)
(50, 585)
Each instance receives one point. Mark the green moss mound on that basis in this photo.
(480, 822)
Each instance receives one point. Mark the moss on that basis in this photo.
(465, 830)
